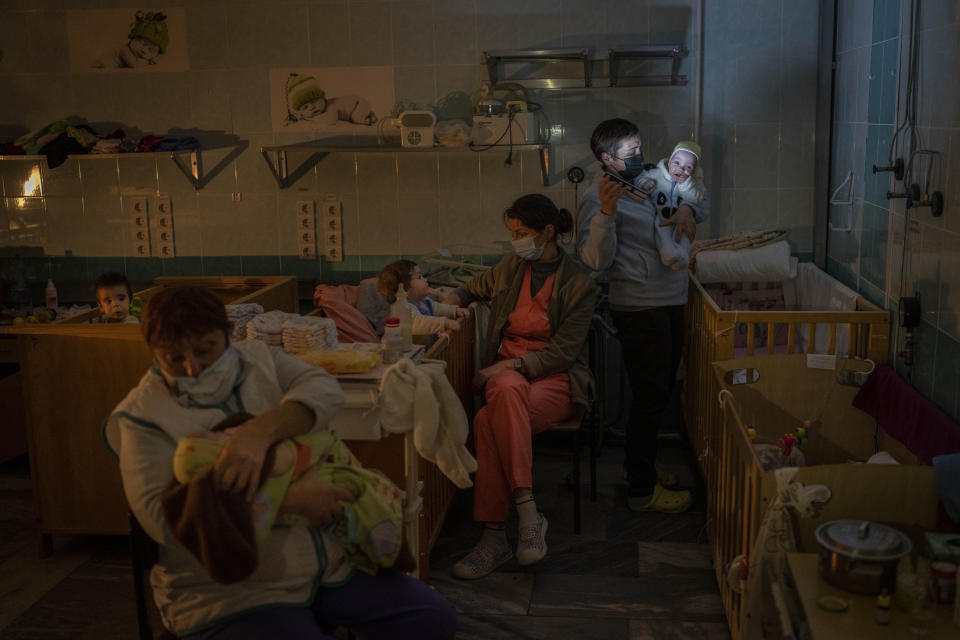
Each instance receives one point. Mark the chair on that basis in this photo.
(588, 423)
(143, 555)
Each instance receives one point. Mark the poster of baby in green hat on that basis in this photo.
(330, 99)
(124, 40)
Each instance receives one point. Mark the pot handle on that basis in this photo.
(863, 530)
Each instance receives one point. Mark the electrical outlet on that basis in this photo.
(308, 252)
(331, 239)
(141, 249)
(138, 206)
(334, 254)
(304, 207)
(306, 237)
(331, 206)
(332, 224)
(166, 250)
(163, 205)
(305, 223)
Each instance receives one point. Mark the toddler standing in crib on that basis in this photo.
(679, 181)
(428, 315)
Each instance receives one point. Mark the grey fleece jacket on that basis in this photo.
(624, 246)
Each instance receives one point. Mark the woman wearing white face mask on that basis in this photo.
(301, 576)
(535, 374)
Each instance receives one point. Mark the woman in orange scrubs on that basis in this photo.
(535, 374)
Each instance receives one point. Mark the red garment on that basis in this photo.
(516, 409)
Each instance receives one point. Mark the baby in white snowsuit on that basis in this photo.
(679, 181)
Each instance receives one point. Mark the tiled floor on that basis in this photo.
(626, 576)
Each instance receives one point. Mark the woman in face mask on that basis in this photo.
(197, 380)
(534, 374)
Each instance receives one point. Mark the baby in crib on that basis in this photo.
(428, 316)
(679, 180)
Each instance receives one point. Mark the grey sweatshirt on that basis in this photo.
(624, 246)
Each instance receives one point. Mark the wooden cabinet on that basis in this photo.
(73, 375)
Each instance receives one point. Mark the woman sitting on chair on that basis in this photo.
(300, 577)
(534, 377)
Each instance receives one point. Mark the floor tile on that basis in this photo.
(533, 628)
(670, 630)
(689, 596)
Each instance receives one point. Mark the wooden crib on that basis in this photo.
(733, 491)
(709, 337)
(387, 454)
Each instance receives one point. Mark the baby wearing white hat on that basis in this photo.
(679, 181)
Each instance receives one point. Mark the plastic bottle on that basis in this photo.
(882, 614)
(51, 295)
(392, 341)
(401, 310)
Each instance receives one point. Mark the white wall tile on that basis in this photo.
(207, 35)
(371, 41)
(377, 173)
(329, 34)
(272, 34)
(412, 32)
(756, 156)
(419, 223)
(379, 229)
(417, 173)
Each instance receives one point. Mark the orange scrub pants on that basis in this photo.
(516, 409)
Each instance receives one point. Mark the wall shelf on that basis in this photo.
(187, 160)
(276, 156)
(497, 61)
(525, 63)
(674, 53)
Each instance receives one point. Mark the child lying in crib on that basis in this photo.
(428, 316)
(370, 529)
(679, 180)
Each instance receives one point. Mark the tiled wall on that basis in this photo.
(759, 116)
(873, 42)
(758, 127)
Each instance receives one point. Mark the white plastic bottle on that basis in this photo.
(392, 341)
(51, 295)
(401, 310)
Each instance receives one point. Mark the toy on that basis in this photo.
(752, 434)
(803, 432)
(787, 443)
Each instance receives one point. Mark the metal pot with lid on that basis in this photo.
(861, 556)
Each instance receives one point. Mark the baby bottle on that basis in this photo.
(392, 341)
(401, 310)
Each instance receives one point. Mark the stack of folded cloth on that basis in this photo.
(308, 333)
(239, 315)
(268, 327)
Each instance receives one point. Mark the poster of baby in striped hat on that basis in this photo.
(125, 40)
(330, 99)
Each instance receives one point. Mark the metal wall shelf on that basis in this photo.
(188, 161)
(551, 60)
(276, 156)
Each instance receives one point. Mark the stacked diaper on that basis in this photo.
(239, 315)
(308, 333)
(268, 327)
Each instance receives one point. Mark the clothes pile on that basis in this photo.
(63, 138)
(239, 315)
(268, 327)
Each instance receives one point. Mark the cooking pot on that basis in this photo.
(861, 556)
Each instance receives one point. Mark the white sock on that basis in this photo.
(494, 535)
(526, 511)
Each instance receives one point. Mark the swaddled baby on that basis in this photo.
(370, 529)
